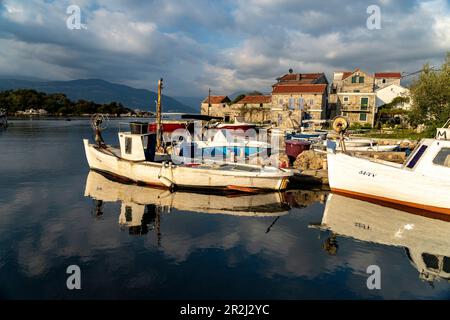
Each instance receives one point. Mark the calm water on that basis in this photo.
(135, 242)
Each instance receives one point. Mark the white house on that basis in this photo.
(387, 94)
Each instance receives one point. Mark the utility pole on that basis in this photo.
(158, 118)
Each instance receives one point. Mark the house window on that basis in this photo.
(224, 105)
(280, 102)
(356, 91)
(345, 99)
(443, 157)
(260, 105)
(311, 102)
(227, 118)
(128, 145)
(344, 114)
(363, 117)
(384, 80)
(361, 79)
(291, 103)
(364, 103)
(301, 103)
(354, 79)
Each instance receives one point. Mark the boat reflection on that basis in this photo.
(141, 207)
(426, 239)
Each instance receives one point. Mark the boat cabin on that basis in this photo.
(432, 156)
(137, 144)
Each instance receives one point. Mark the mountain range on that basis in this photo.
(101, 91)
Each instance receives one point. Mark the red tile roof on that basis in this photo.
(299, 88)
(300, 76)
(396, 75)
(256, 99)
(216, 99)
(349, 73)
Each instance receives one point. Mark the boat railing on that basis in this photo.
(447, 124)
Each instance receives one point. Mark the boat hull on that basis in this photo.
(372, 180)
(196, 177)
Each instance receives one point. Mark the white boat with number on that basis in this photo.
(423, 181)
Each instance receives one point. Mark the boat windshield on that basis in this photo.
(443, 158)
(416, 157)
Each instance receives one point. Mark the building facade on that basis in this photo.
(352, 95)
(384, 79)
(301, 97)
(388, 93)
(217, 106)
(254, 108)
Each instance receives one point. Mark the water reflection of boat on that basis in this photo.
(137, 198)
(3, 119)
(427, 240)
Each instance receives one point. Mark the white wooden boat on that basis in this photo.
(423, 181)
(371, 147)
(237, 125)
(134, 198)
(426, 240)
(135, 160)
(352, 144)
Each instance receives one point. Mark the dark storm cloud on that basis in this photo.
(226, 45)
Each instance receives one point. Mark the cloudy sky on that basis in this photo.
(226, 45)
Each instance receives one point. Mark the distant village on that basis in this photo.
(308, 100)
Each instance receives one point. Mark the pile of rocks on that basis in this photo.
(311, 160)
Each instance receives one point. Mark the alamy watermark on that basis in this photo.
(374, 280)
(73, 282)
(73, 21)
(216, 145)
(374, 20)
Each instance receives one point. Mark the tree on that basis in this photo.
(431, 96)
(239, 97)
(56, 103)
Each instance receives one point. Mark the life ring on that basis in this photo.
(340, 124)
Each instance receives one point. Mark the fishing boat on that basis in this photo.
(426, 238)
(136, 161)
(136, 198)
(3, 119)
(237, 125)
(423, 181)
(365, 145)
(306, 135)
(139, 159)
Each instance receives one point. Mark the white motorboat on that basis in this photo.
(352, 144)
(426, 240)
(135, 198)
(423, 181)
(137, 161)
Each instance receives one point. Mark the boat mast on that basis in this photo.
(158, 118)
